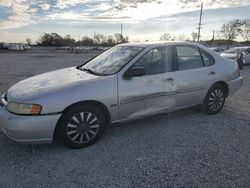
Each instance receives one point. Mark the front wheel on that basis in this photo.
(214, 100)
(81, 126)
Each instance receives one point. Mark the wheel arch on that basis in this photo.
(224, 85)
(98, 104)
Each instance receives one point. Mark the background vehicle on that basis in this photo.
(246, 56)
(18, 46)
(126, 82)
(217, 49)
(4, 46)
(232, 52)
(26, 47)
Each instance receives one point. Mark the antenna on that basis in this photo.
(199, 28)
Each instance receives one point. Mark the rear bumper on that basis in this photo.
(28, 129)
(234, 85)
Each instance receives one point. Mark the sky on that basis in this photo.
(142, 19)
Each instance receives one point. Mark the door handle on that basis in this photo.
(167, 79)
(211, 73)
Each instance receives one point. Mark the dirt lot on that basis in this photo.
(181, 149)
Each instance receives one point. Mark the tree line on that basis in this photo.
(234, 28)
(56, 40)
(229, 31)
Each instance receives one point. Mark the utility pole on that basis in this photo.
(121, 29)
(213, 35)
(199, 28)
(121, 32)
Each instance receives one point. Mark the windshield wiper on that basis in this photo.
(92, 72)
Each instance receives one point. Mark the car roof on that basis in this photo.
(161, 43)
(215, 47)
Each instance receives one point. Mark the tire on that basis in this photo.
(81, 126)
(214, 100)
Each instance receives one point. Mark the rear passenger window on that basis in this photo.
(207, 58)
(189, 57)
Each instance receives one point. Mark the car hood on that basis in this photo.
(228, 55)
(50, 82)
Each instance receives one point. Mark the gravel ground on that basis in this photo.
(181, 149)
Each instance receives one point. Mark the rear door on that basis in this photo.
(195, 73)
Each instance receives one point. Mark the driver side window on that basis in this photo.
(155, 61)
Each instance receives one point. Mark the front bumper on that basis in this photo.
(234, 85)
(28, 129)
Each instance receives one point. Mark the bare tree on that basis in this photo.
(244, 30)
(182, 37)
(126, 39)
(218, 35)
(99, 38)
(86, 41)
(118, 38)
(173, 38)
(110, 40)
(166, 37)
(230, 29)
(28, 40)
(194, 36)
(68, 41)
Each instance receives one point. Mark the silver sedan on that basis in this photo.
(126, 82)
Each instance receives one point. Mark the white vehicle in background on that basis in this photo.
(217, 49)
(232, 52)
(246, 56)
(18, 46)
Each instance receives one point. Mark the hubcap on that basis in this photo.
(216, 100)
(82, 127)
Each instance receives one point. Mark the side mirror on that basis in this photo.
(134, 72)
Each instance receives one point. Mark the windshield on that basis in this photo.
(112, 61)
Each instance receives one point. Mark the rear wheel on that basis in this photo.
(81, 126)
(214, 100)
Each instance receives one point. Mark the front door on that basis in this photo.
(152, 92)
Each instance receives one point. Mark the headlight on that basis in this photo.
(24, 109)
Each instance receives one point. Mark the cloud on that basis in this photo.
(45, 6)
(68, 3)
(131, 11)
(25, 12)
(84, 17)
(20, 13)
(133, 3)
